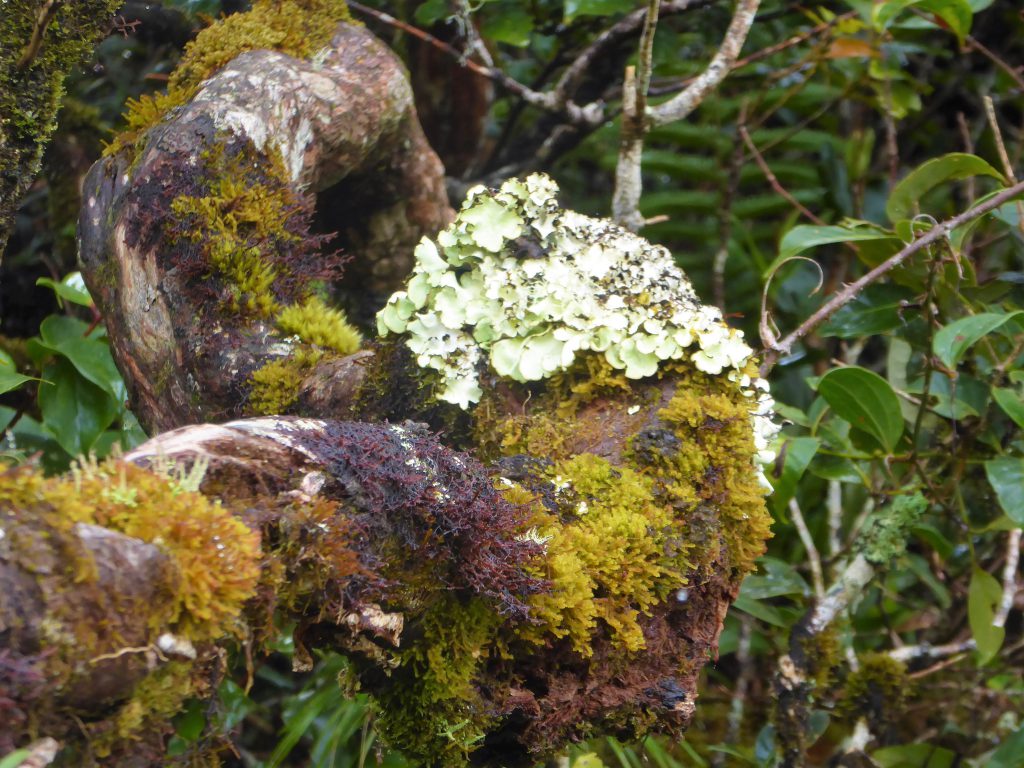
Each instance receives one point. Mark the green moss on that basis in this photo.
(432, 708)
(275, 386)
(31, 86)
(297, 28)
(878, 690)
(216, 555)
(155, 700)
(316, 323)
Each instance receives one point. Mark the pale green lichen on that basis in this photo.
(522, 286)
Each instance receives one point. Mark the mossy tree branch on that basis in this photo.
(42, 41)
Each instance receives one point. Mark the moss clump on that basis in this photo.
(879, 690)
(216, 555)
(275, 386)
(432, 707)
(316, 323)
(617, 553)
(297, 28)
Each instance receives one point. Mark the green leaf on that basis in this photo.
(71, 288)
(766, 613)
(774, 578)
(865, 400)
(1010, 753)
(1006, 476)
(952, 167)
(957, 15)
(507, 22)
(67, 336)
(798, 453)
(574, 8)
(951, 342)
(913, 756)
(9, 376)
(1011, 402)
(75, 411)
(983, 597)
(14, 759)
(800, 239)
(431, 11)
(874, 311)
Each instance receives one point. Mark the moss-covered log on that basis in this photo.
(42, 40)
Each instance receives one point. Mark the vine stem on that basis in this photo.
(775, 348)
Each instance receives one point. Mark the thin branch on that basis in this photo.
(773, 181)
(1004, 157)
(991, 56)
(628, 180)
(926, 651)
(1009, 577)
(591, 115)
(774, 348)
(681, 105)
(43, 18)
(573, 75)
(813, 557)
(841, 595)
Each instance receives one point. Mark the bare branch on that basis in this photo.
(680, 106)
(1009, 577)
(772, 180)
(813, 558)
(775, 349)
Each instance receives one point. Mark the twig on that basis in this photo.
(774, 348)
(1009, 577)
(628, 181)
(840, 595)
(773, 181)
(835, 516)
(41, 753)
(43, 18)
(573, 75)
(991, 56)
(591, 115)
(681, 105)
(813, 558)
(739, 695)
(926, 651)
(1004, 158)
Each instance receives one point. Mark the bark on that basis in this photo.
(353, 150)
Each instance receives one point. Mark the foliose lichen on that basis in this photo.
(522, 287)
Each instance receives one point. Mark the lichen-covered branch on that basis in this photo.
(42, 40)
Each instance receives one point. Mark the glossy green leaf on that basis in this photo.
(952, 341)
(797, 452)
(1010, 753)
(799, 239)
(15, 758)
(773, 578)
(957, 15)
(507, 22)
(575, 8)
(759, 610)
(71, 288)
(875, 310)
(9, 376)
(1006, 476)
(431, 11)
(983, 597)
(67, 336)
(1011, 402)
(75, 411)
(865, 400)
(952, 167)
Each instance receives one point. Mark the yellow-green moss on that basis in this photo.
(316, 323)
(275, 386)
(436, 710)
(216, 555)
(156, 699)
(618, 554)
(297, 28)
(227, 218)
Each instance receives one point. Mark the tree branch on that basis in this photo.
(775, 348)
